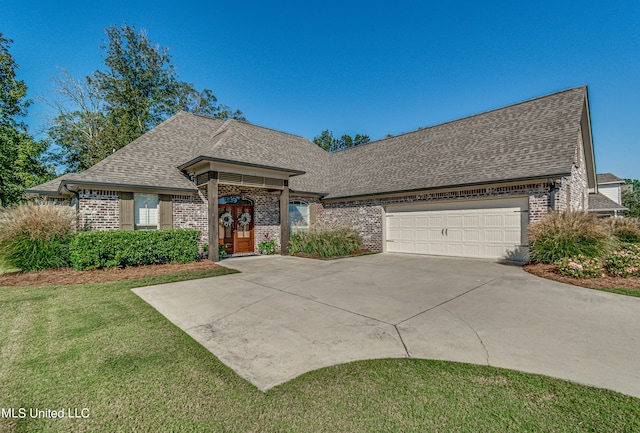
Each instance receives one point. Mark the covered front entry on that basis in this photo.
(492, 228)
(235, 224)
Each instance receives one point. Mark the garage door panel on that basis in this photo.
(421, 234)
(494, 236)
(493, 231)
(471, 236)
(471, 220)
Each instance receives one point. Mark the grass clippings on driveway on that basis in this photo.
(625, 286)
(101, 347)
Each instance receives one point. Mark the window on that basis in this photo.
(146, 211)
(298, 216)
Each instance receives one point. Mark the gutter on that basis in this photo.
(245, 164)
(64, 183)
(542, 179)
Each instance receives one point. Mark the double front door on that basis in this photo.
(235, 228)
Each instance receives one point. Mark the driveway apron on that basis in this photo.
(284, 316)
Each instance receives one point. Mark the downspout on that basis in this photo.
(552, 194)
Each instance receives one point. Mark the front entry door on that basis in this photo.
(235, 227)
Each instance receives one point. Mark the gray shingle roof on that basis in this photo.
(250, 144)
(51, 187)
(152, 159)
(531, 139)
(535, 138)
(600, 202)
(609, 178)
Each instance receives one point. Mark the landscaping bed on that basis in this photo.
(68, 276)
(551, 272)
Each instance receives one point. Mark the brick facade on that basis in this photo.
(366, 216)
(99, 209)
(191, 212)
(266, 211)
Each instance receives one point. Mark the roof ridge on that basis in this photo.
(467, 117)
(242, 122)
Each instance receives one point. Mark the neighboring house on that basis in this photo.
(607, 201)
(467, 188)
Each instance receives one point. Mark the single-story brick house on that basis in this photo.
(468, 188)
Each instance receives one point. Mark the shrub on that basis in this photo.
(325, 243)
(34, 237)
(567, 234)
(624, 262)
(580, 267)
(624, 229)
(267, 246)
(108, 249)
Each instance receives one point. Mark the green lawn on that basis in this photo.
(101, 347)
(627, 292)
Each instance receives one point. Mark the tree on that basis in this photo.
(137, 90)
(80, 128)
(327, 141)
(20, 157)
(631, 199)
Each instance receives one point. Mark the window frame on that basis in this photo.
(136, 224)
(296, 228)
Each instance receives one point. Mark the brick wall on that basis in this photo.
(579, 199)
(366, 216)
(266, 211)
(191, 212)
(573, 191)
(99, 209)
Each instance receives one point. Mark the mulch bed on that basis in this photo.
(607, 282)
(68, 276)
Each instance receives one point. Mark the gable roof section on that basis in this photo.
(600, 202)
(151, 160)
(250, 144)
(532, 139)
(605, 178)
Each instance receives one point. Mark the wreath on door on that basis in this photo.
(226, 219)
(244, 219)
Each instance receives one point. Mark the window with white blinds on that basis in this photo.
(146, 211)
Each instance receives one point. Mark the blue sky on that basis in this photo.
(361, 67)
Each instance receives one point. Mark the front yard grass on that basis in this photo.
(99, 346)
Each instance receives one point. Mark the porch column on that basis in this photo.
(212, 199)
(284, 220)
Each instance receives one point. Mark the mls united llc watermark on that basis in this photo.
(31, 412)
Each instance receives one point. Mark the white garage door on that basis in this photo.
(493, 229)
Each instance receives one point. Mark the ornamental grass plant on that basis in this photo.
(36, 236)
(567, 234)
(623, 229)
(328, 242)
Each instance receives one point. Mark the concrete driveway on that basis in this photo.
(284, 316)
